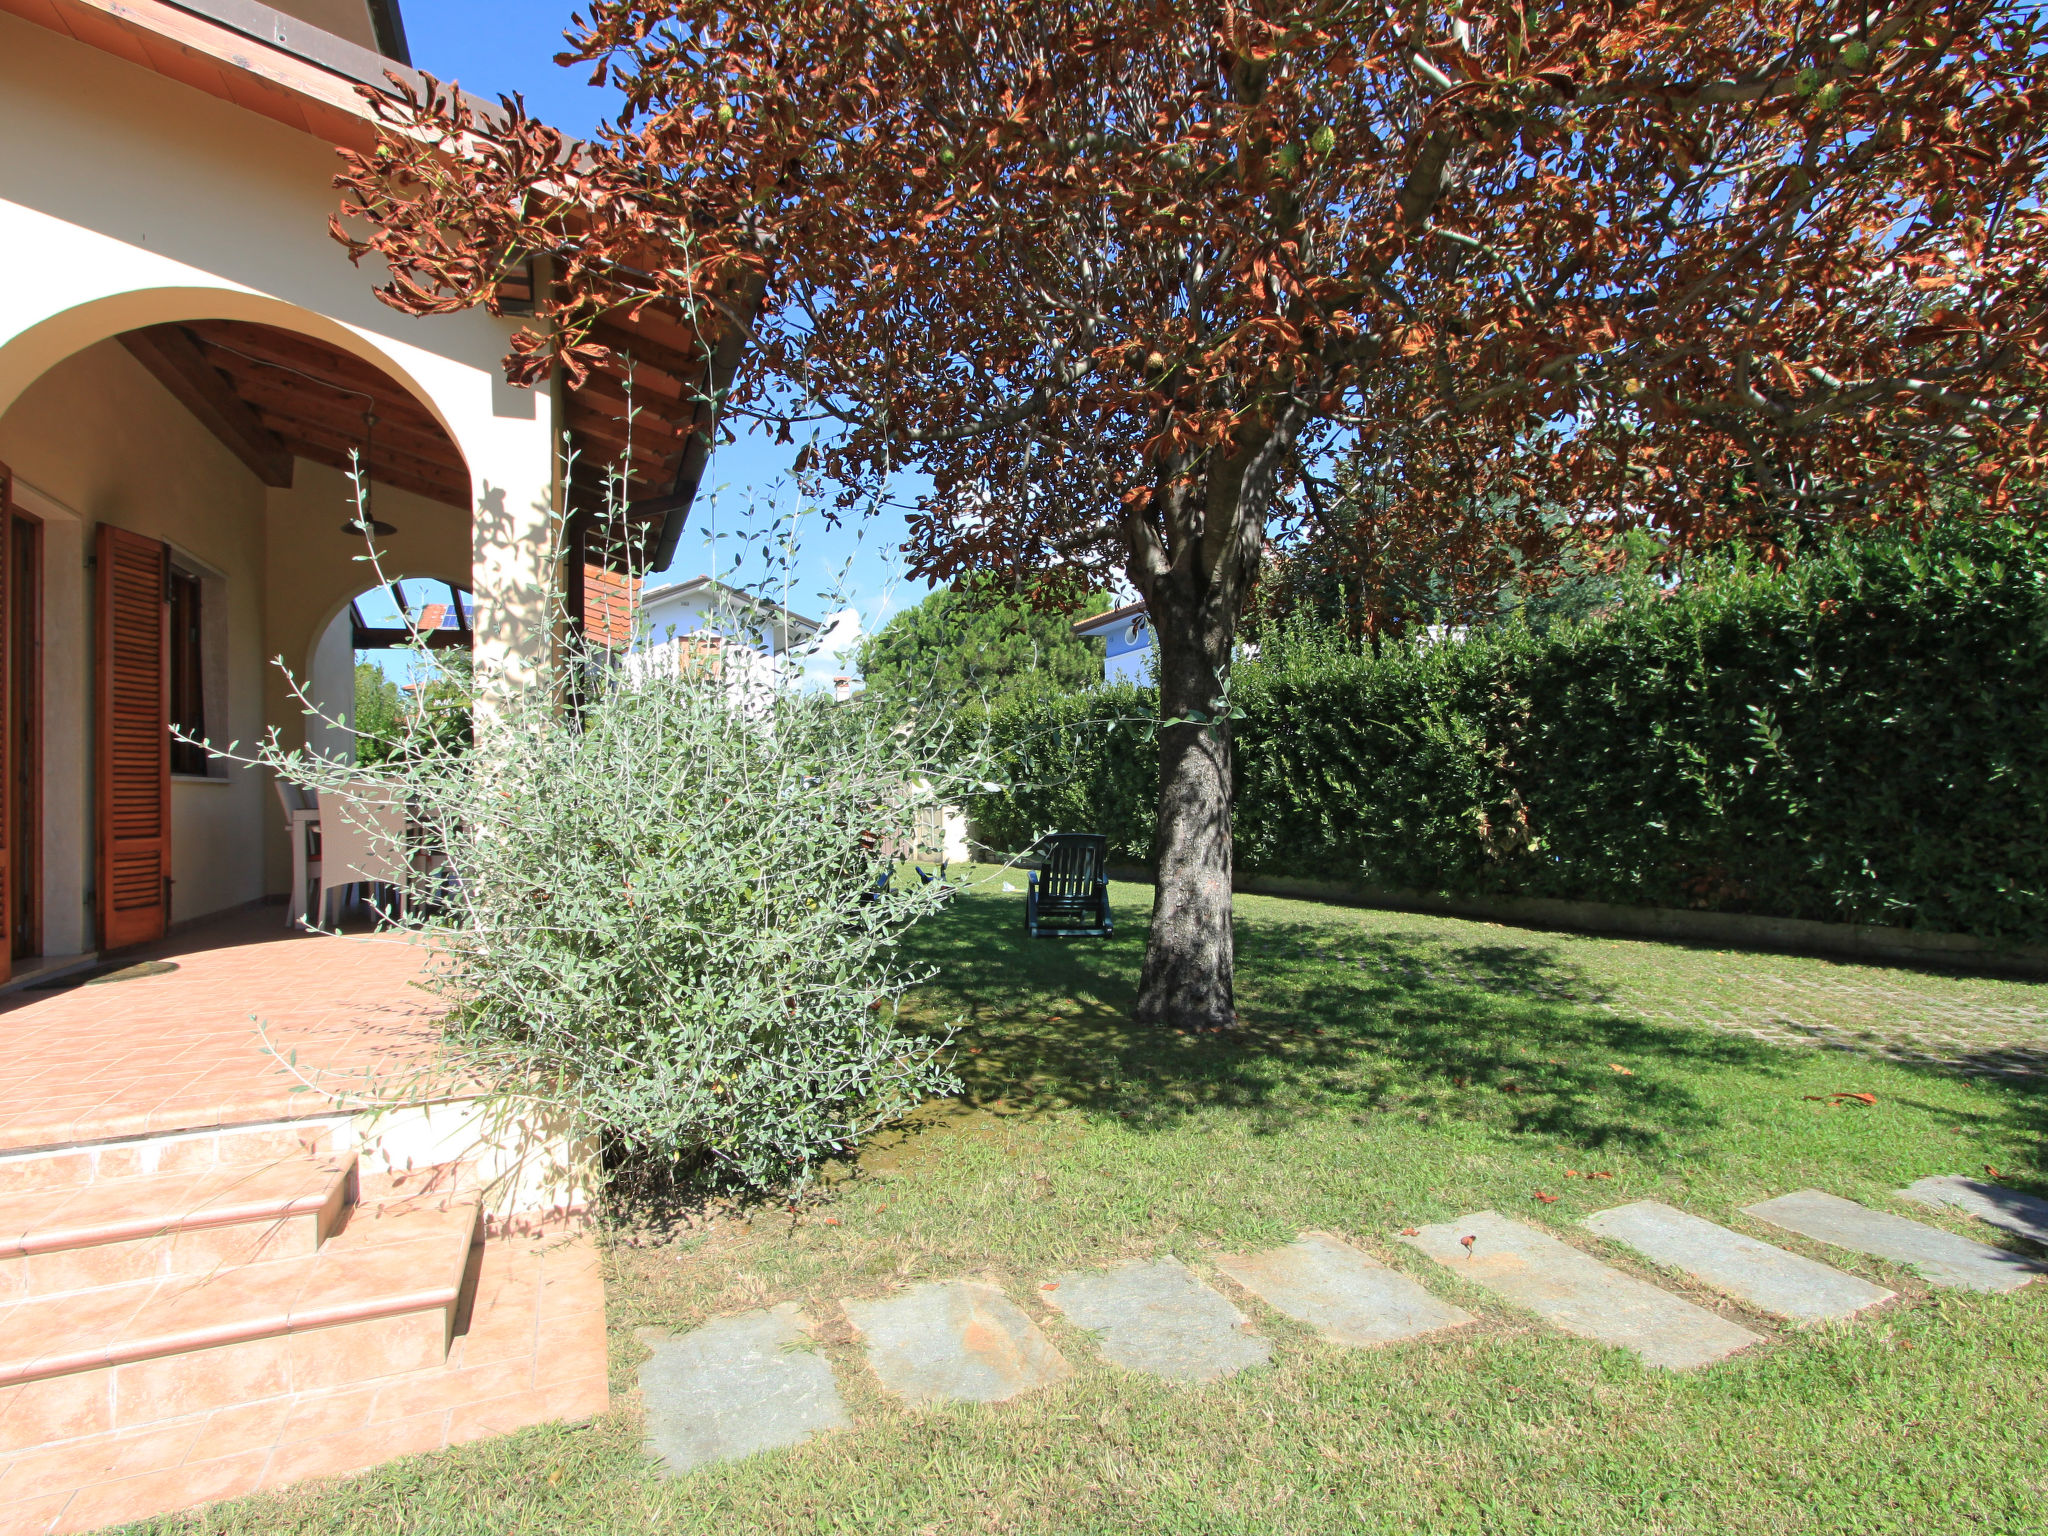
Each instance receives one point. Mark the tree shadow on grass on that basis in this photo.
(1377, 1023)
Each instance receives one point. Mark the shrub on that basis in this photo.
(1861, 737)
(667, 911)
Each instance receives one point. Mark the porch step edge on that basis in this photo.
(206, 1204)
(159, 1324)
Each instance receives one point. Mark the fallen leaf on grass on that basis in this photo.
(1411, 1231)
(1546, 1199)
(1510, 1088)
(1050, 1285)
(1993, 1171)
(1599, 1175)
(1615, 1066)
(831, 1221)
(1572, 1173)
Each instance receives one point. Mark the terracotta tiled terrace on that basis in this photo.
(206, 1288)
(186, 1049)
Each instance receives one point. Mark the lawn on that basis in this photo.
(1392, 1070)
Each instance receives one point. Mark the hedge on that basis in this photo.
(1861, 737)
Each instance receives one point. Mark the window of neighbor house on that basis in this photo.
(188, 687)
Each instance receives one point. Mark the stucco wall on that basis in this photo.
(146, 202)
(101, 438)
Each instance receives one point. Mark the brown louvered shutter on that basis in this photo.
(134, 738)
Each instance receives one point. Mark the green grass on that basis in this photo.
(1392, 1070)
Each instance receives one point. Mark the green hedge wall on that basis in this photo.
(1862, 737)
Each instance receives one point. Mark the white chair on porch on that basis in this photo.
(362, 841)
(302, 826)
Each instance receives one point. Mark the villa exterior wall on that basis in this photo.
(101, 441)
(129, 200)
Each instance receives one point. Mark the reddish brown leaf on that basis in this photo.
(1546, 1199)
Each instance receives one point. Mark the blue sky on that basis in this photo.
(496, 47)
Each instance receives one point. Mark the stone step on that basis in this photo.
(381, 1297)
(126, 1231)
(1785, 1285)
(1938, 1257)
(954, 1341)
(1159, 1319)
(1347, 1296)
(735, 1386)
(2022, 1215)
(1577, 1293)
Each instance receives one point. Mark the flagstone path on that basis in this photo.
(1938, 1257)
(1159, 1319)
(2025, 1215)
(754, 1381)
(955, 1341)
(1347, 1296)
(1782, 1284)
(1576, 1292)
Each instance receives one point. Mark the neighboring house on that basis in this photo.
(1128, 631)
(704, 626)
(705, 604)
(187, 362)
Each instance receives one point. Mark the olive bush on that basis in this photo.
(667, 901)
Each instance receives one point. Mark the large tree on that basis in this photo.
(1114, 273)
(978, 646)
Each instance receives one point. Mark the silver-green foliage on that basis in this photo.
(662, 897)
(664, 911)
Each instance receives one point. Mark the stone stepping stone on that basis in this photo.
(954, 1341)
(1577, 1293)
(1783, 1284)
(735, 1386)
(1347, 1296)
(1159, 1319)
(1938, 1257)
(2024, 1215)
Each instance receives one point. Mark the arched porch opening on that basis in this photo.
(228, 462)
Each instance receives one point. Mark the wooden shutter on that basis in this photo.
(134, 714)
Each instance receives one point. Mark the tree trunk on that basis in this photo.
(1190, 959)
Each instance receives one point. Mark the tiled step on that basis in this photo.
(534, 1352)
(380, 1298)
(127, 1231)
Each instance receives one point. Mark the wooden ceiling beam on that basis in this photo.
(176, 362)
(609, 437)
(251, 379)
(589, 403)
(687, 369)
(270, 400)
(430, 481)
(650, 383)
(284, 348)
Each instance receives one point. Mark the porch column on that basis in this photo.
(515, 564)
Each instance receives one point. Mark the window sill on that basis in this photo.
(197, 778)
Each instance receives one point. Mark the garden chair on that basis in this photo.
(1069, 896)
(363, 842)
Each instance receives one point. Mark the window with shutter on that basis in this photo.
(134, 756)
